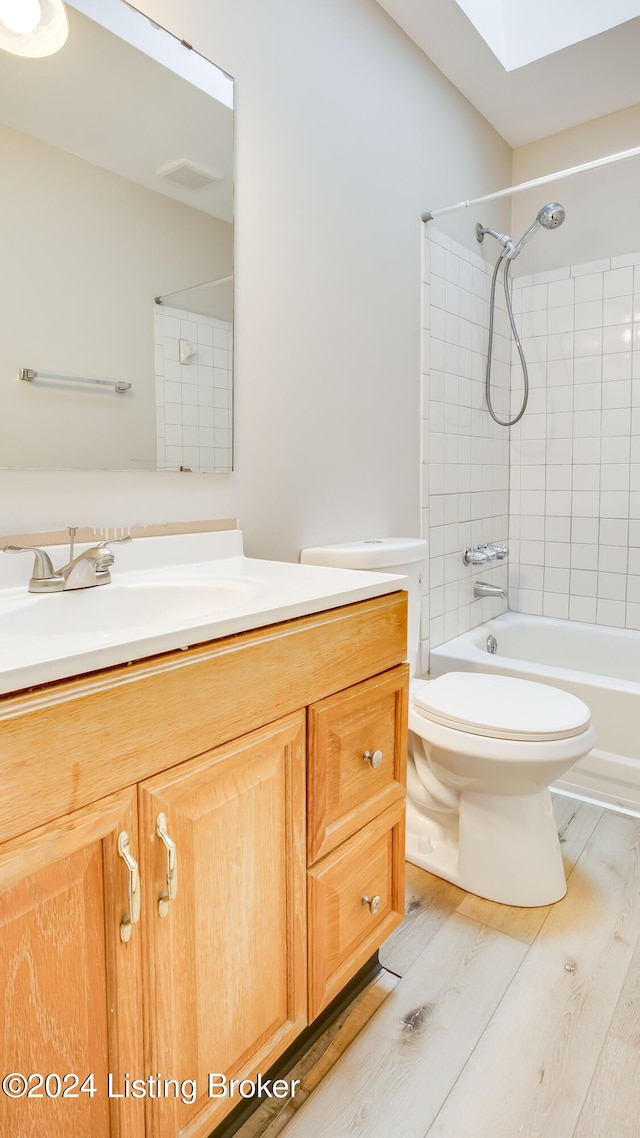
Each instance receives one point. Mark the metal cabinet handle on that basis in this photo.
(373, 757)
(133, 916)
(172, 866)
(374, 903)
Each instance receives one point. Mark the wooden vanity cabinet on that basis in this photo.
(206, 749)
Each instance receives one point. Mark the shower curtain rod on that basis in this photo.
(430, 214)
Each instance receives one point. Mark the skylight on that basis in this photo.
(520, 31)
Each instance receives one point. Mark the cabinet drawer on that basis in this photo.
(345, 791)
(344, 931)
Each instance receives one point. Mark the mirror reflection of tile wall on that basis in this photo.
(194, 413)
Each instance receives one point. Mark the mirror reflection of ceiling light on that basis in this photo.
(33, 28)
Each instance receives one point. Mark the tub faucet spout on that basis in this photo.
(484, 589)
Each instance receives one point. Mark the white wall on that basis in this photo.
(603, 219)
(345, 133)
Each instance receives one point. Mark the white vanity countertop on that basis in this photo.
(166, 593)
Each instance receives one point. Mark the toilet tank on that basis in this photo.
(406, 555)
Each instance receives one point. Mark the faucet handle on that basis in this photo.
(43, 567)
(44, 578)
(476, 556)
(114, 541)
(497, 549)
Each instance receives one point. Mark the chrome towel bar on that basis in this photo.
(30, 374)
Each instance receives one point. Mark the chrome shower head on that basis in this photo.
(549, 217)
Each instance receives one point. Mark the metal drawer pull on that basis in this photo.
(133, 916)
(374, 903)
(172, 866)
(373, 757)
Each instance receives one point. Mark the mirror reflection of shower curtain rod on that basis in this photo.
(620, 157)
(192, 288)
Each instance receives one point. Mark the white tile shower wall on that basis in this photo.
(193, 400)
(575, 457)
(465, 455)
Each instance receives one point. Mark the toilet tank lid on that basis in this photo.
(372, 553)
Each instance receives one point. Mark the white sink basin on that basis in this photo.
(166, 593)
(109, 610)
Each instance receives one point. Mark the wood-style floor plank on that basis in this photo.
(575, 826)
(612, 1106)
(395, 1076)
(576, 822)
(429, 902)
(272, 1115)
(530, 1073)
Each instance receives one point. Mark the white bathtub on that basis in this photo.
(600, 665)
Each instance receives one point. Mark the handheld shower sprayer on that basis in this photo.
(549, 217)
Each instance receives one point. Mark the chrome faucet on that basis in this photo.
(82, 572)
(484, 589)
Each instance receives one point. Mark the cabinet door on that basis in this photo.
(226, 953)
(70, 999)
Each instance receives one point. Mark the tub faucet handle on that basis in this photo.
(476, 556)
(498, 549)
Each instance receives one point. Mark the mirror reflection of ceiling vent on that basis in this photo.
(189, 174)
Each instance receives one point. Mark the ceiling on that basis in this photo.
(585, 81)
(148, 119)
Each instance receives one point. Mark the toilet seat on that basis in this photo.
(501, 707)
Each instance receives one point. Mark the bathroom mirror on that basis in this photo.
(116, 275)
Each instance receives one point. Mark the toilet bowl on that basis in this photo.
(483, 751)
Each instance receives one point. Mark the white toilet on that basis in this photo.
(483, 751)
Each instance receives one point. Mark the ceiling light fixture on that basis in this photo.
(33, 28)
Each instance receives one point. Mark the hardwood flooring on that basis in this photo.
(490, 1021)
